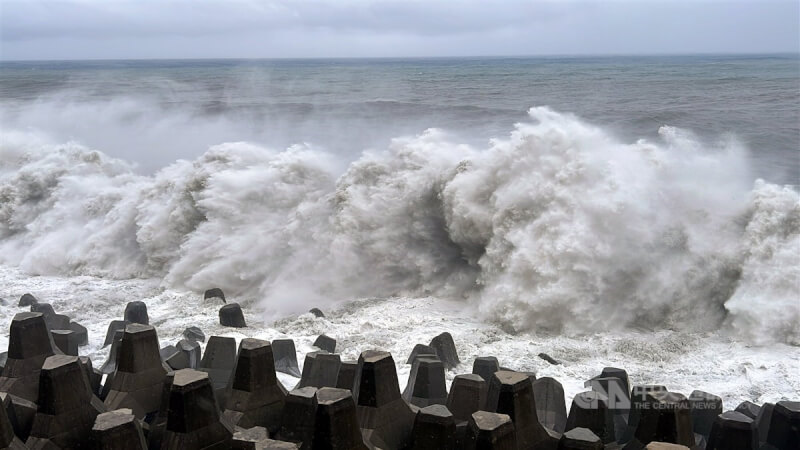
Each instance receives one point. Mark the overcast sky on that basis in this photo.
(101, 29)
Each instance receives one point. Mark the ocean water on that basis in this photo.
(633, 211)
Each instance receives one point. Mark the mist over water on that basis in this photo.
(559, 223)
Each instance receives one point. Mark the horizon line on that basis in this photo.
(407, 57)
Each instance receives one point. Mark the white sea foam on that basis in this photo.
(558, 227)
(733, 369)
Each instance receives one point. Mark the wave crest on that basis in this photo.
(557, 227)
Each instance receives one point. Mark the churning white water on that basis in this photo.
(557, 227)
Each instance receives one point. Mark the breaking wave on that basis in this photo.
(557, 227)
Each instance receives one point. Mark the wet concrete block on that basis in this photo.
(590, 410)
(173, 358)
(94, 375)
(254, 438)
(214, 293)
(549, 359)
(336, 423)
(110, 364)
(347, 375)
(29, 345)
(763, 421)
(218, 362)
(299, 416)
(665, 446)
(749, 409)
(194, 334)
(255, 396)
(193, 418)
(434, 429)
(80, 332)
(617, 400)
(621, 375)
(511, 393)
(54, 321)
(249, 438)
(21, 413)
(158, 422)
(420, 349)
(485, 366)
(192, 352)
(316, 312)
(467, 395)
(136, 312)
(385, 418)
(320, 369)
(490, 431)
(733, 430)
(67, 407)
(285, 356)
(136, 383)
(580, 439)
(426, 383)
(27, 300)
(784, 428)
(446, 350)
(231, 315)
(705, 409)
(117, 430)
(664, 417)
(8, 438)
(325, 343)
(113, 327)
(3, 359)
(551, 407)
(639, 401)
(66, 341)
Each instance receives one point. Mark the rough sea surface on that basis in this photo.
(641, 212)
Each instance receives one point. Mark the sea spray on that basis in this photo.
(558, 226)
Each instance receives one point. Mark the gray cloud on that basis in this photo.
(142, 29)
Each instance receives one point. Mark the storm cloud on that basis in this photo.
(88, 29)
